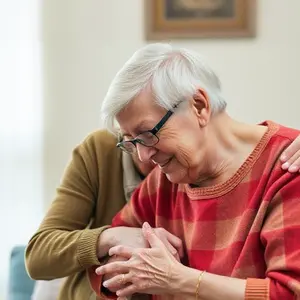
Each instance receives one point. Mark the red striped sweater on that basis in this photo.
(247, 227)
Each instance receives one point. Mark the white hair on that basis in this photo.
(172, 74)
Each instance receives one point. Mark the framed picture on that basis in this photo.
(171, 19)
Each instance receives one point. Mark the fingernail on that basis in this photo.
(98, 271)
(293, 169)
(285, 166)
(105, 283)
(283, 157)
(146, 225)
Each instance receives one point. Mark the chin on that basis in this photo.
(177, 178)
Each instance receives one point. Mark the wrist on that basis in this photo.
(106, 240)
(185, 281)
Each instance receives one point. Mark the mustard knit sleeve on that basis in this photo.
(63, 245)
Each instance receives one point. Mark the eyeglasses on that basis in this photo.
(148, 138)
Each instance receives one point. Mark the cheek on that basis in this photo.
(182, 140)
(186, 150)
(185, 155)
(182, 149)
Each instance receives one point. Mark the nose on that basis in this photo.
(145, 153)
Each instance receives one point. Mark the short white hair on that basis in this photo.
(172, 74)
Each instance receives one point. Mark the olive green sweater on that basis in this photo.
(93, 190)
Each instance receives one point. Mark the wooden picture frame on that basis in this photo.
(189, 19)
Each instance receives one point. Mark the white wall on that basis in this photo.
(87, 41)
(21, 208)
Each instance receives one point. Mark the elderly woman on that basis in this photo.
(218, 186)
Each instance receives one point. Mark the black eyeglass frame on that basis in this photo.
(153, 131)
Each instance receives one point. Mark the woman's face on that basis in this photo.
(181, 147)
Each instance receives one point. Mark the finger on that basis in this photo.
(285, 166)
(114, 267)
(176, 242)
(123, 251)
(127, 291)
(151, 237)
(170, 248)
(177, 257)
(117, 282)
(292, 165)
(295, 165)
(290, 150)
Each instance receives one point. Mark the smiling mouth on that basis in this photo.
(164, 164)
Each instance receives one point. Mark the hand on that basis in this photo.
(150, 271)
(291, 157)
(172, 243)
(133, 237)
(106, 277)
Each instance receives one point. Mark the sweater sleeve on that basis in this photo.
(280, 237)
(63, 243)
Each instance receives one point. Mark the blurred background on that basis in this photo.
(57, 58)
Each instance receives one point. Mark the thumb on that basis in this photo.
(151, 237)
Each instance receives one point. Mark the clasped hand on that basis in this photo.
(146, 270)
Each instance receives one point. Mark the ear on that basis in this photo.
(201, 107)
